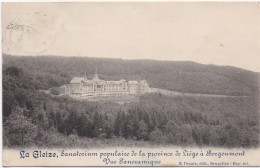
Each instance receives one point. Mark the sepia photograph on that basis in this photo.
(113, 76)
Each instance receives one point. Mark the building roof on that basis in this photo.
(101, 82)
(89, 82)
(143, 82)
(76, 80)
(115, 82)
(95, 82)
(95, 77)
(132, 82)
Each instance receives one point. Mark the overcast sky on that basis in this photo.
(209, 33)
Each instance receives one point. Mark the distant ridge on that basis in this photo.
(123, 59)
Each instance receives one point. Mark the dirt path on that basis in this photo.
(174, 93)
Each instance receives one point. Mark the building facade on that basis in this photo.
(82, 87)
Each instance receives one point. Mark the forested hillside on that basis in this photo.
(189, 77)
(32, 118)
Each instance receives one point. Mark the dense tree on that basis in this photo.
(156, 136)
(19, 129)
(119, 124)
(142, 132)
(31, 117)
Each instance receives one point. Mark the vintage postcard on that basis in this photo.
(130, 83)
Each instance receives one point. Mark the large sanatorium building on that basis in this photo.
(82, 87)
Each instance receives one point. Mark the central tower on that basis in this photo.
(95, 77)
